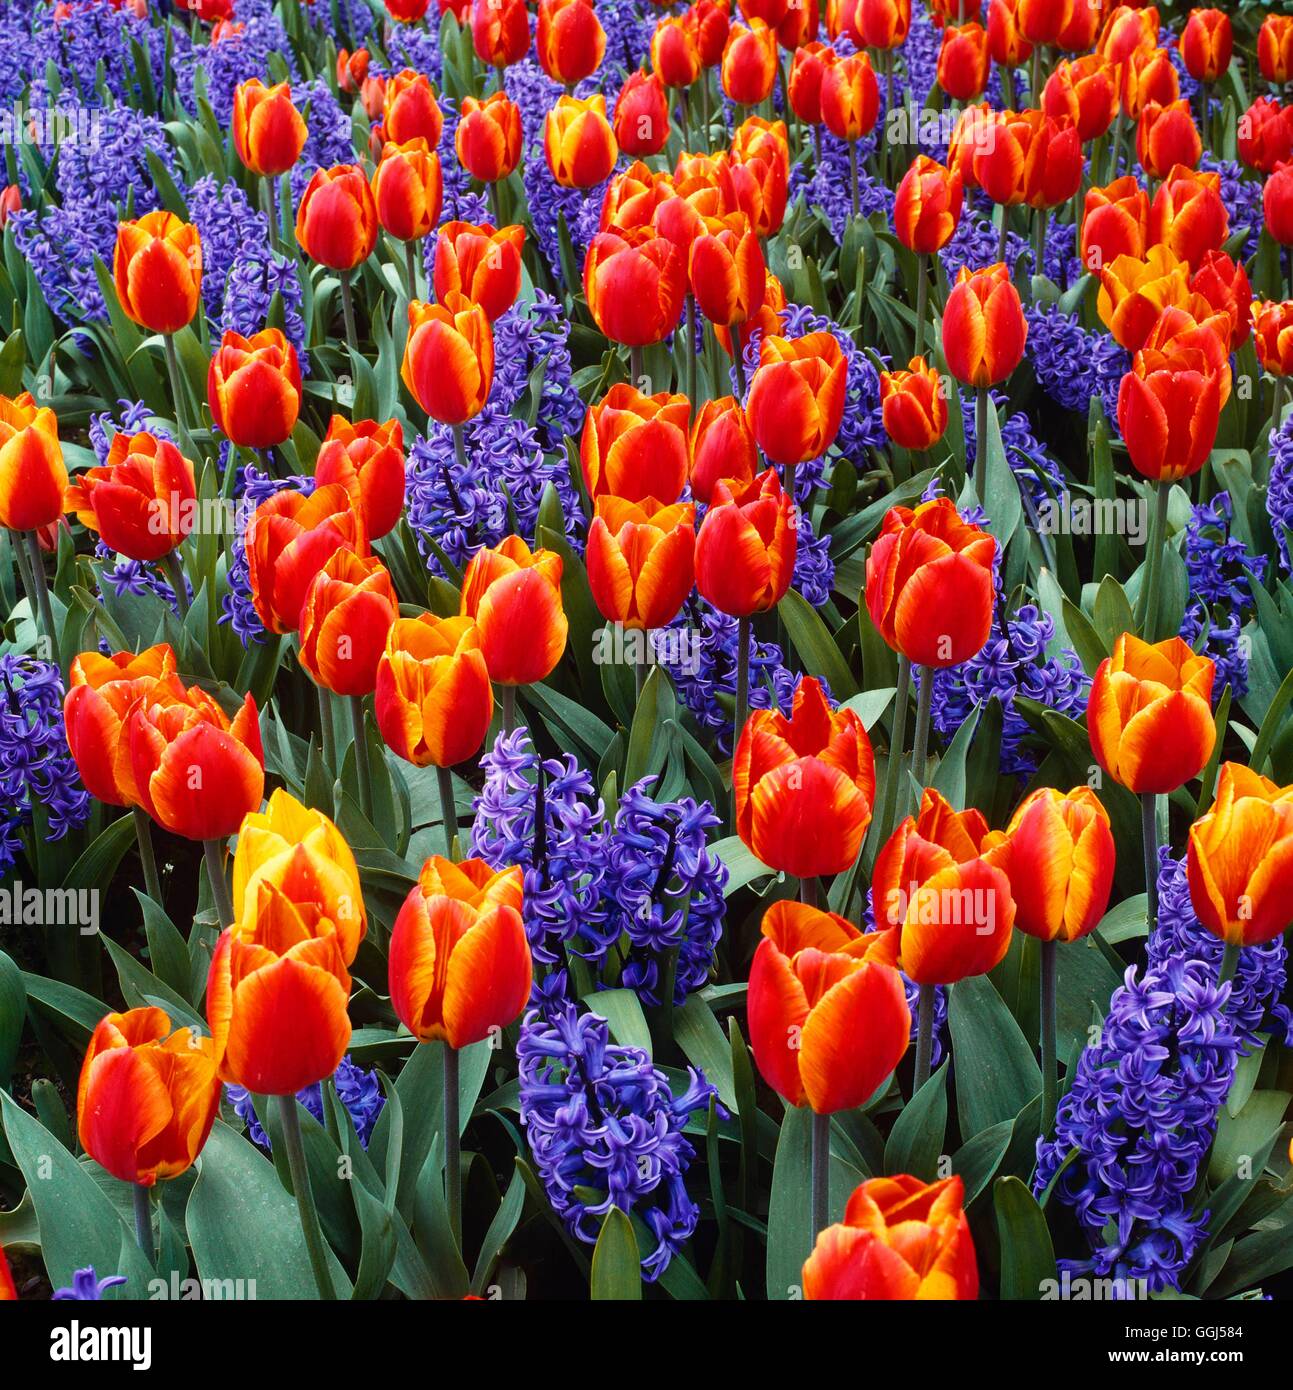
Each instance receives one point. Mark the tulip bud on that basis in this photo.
(1115, 222)
(726, 270)
(1166, 136)
(368, 460)
(147, 1097)
(569, 41)
(1149, 714)
(745, 549)
(827, 1014)
(433, 700)
(352, 68)
(900, 1239)
(1188, 216)
(640, 560)
(850, 97)
(1265, 135)
(578, 141)
(479, 263)
(348, 610)
(500, 31)
(984, 329)
(927, 206)
(449, 358)
(33, 477)
(157, 269)
(710, 25)
(1029, 159)
(488, 138)
(1008, 46)
(882, 24)
(1207, 42)
(641, 124)
(407, 11)
(140, 500)
(796, 400)
(1133, 293)
(410, 110)
(721, 446)
(1273, 336)
(635, 446)
(963, 61)
(913, 405)
(336, 220)
(514, 595)
(1146, 78)
(675, 59)
(634, 283)
(1275, 48)
(808, 67)
(1224, 286)
(1084, 92)
(254, 388)
(408, 189)
(749, 63)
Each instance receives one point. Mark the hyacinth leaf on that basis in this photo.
(243, 1225)
(697, 1032)
(616, 1273)
(916, 1140)
(1027, 1255)
(13, 1014)
(78, 1223)
(998, 1074)
(812, 639)
(622, 1009)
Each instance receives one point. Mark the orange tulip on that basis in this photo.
(480, 263)
(913, 405)
(488, 138)
(433, 699)
(975, 127)
(147, 1097)
(1239, 864)
(927, 206)
(102, 693)
(1115, 222)
(1167, 136)
(1149, 714)
(720, 446)
(632, 197)
(196, 773)
(804, 787)
(8, 1294)
(749, 63)
(766, 321)
(1275, 48)
(808, 67)
(745, 549)
(33, 477)
(410, 110)
(756, 178)
(882, 24)
(1207, 41)
(288, 540)
(1008, 45)
(1058, 854)
(635, 446)
(449, 358)
(1277, 203)
(1273, 336)
(140, 500)
(460, 965)
(796, 400)
(827, 1014)
(726, 270)
(640, 560)
(1031, 159)
(1083, 91)
(578, 141)
(268, 131)
(963, 61)
(514, 594)
(348, 610)
(984, 329)
(1080, 30)
(1265, 135)
(634, 282)
(277, 994)
(367, 459)
(1147, 78)
(950, 903)
(352, 68)
(1133, 293)
(1128, 31)
(500, 31)
(254, 388)
(157, 268)
(408, 189)
(641, 124)
(850, 97)
(929, 584)
(900, 1239)
(336, 220)
(569, 40)
(675, 58)
(1223, 284)
(710, 23)
(1040, 21)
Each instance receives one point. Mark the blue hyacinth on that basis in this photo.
(358, 1090)
(87, 1287)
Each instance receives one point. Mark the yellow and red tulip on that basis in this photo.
(569, 40)
(254, 388)
(488, 138)
(635, 446)
(641, 560)
(745, 549)
(157, 269)
(348, 610)
(336, 220)
(984, 329)
(408, 189)
(514, 594)
(449, 358)
(140, 500)
(268, 131)
(578, 141)
(720, 446)
(481, 263)
(913, 405)
(367, 459)
(634, 282)
(796, 400)
(33, 476)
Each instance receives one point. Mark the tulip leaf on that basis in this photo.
(996, 1074)
(617, 1269)
(79, 1225)
(244, 1228)
(976, 1161)
(1027, 1255)
(1004, 506)
(817, 649)
(13, 1014)
(705, 1045)
(916, 1140)
(500, 1230)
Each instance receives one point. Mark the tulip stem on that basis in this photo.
(507, 701)
(810, 891)
(1039, 240)
(177, 395)
(635, 366)
(981, 403)
(174, 572)
(893, 773)
(213, 853)
(143, 1221)
(920, 744)
(300, 1174)
(459, 448)
(821, 1173)
(1050, 1074)
(738, 362)
(363, 772)
(1005, 232)
(922, 303)
(1149, 830)
(144, 836)
(742, 679)
(411, 269)
(1229, 964)
(853, 175)
(348, 312)
(452, 1146)
(691, 351)
(448, 810)
(326, 730)
(924, 1036)
(1277, 401)
(42, 605)
(1147, 599)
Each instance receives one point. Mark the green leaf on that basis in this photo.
(705, 1045)
(617, 1268)
(244, 1227)
(996, 1073)
(13, 1014)
(916, 1140)
(1027, 1255)
(500, 1229)
(816, 647)
(622, 1009)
